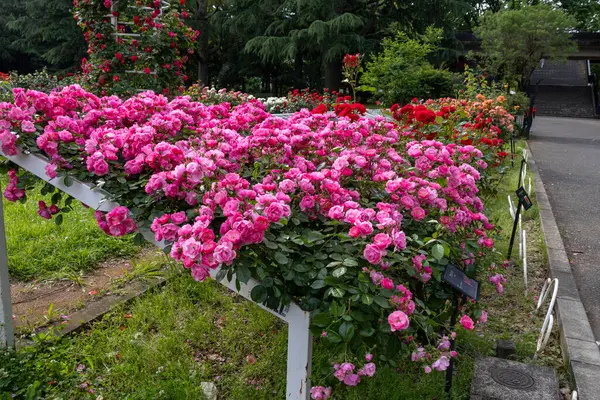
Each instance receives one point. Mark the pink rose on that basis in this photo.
(336, 212)
(27, 126)
(179, 218)
(352, 379)
(467, 322)
(484, 316)
(192, 249)
(382, 241)
(320, 393)
(51, 170)
(387, 283)
(442, 364)
(369, 369)
(418, 213)
(398, 321)
(372, 254)
(224, 253)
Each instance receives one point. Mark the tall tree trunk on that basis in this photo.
(202, 18)
(333, 75)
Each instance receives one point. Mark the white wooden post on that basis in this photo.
(299, 336)
(525, 260)
(7, 334)
(549, 319)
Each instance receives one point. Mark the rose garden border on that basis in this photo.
(299, 356)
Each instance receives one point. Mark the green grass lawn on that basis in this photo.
(167, 342)
(39, 249)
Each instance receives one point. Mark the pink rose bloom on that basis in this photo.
(427, 369)
(387, 283)
(382, 240)
(336, 212)
(467, 322)
(27, 126)
(369, 369)
(352, 379)
(54, 209)
(192, 249)
(369, 357)
(372, 254)
(418, 213)
(399, 240)
(442, 364)
(179, 218)
(51, 170)
(224, 253)
(398, 321)
(320, 393)
(484, 316)
(307, 202)
(287, 186)
(43, 210)
(275, 211)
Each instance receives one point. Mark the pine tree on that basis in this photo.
(46, 29)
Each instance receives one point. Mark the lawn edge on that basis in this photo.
(578, 345)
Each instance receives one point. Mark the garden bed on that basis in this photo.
(166, 343)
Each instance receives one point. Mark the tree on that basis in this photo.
(47, 30)
(401, 71)
(514, 41)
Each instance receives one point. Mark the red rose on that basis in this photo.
(116, 78)
(147, 71)
(134, 58)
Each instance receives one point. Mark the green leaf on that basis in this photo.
(339, 272)
(437, 251)
(314, 236)
(334, 337)
(367, 332)
(270, 245)
(121, 180)
(381, 302)
(367, 299)
(243, 273)
(337, 292)
(68, 181)
(59, 219)
(281, 258)
(259, 294)
(333, 264)
(350, 262)
(359, 316)
(346, 331)
(322, 319)
(138, 239)
(337, 309)
(318, 284)
(221, 275)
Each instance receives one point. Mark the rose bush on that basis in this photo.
(150, 52)
(352, 218)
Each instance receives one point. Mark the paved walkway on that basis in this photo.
(567, 152)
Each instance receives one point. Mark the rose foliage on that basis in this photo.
(349, 217)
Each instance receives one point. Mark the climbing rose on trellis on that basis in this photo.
(153, 42)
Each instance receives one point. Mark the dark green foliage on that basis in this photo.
(44, 30)
(402, 71)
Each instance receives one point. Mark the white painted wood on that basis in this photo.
(299, 336)
(549, 319)
(529, 187)
(520, 236)
(525, 260)
(7, 335)
(511, 208)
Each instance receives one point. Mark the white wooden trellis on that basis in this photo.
(299, 356)
(114, 20)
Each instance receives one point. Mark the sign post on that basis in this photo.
(526, 203)
(468, 287)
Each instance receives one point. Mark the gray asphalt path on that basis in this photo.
(567, 152)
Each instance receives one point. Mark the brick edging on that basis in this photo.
(579, 349)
